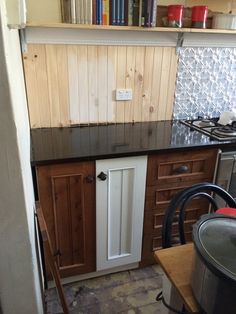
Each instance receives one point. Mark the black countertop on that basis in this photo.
(53, 145)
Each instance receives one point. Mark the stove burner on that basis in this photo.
(204, 123)
(225, 131)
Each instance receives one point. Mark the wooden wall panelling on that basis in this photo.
(83, 88)
(165, 69)
(92, 84)
(62, 73)
(156, 82)
(147, 84)
(138, 83)
(171, 85)
(37, 86)
(54, 92)
(111, 81)
(120, 81)
(129, 81)
(75, 84)
(102, 84)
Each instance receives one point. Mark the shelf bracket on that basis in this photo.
(179, 43)
(23, 41)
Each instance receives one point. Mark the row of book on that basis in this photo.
(110, 12)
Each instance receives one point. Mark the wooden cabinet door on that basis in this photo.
(67, 197)
(120, 194)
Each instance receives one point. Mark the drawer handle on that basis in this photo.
(102, 176)
(182, 169)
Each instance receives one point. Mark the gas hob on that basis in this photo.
(212, 128)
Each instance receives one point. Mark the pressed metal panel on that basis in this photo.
(75, 84)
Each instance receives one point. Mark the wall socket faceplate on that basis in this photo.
(124, 94)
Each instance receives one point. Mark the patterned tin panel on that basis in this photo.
(206, 82)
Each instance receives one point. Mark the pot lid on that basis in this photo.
(216, 240)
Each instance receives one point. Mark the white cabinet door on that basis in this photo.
(120, 193)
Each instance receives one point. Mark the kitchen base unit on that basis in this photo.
(168, 174)
(120, 194)
(67, 197)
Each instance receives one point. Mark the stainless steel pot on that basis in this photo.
(214, 269)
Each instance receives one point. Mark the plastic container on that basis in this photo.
(175, 15)
(224, 21)
(199, 16)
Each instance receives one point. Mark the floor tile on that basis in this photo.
(128, 292)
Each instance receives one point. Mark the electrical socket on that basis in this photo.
(124, 94)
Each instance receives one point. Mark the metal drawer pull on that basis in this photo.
(102, 176)
(182, 169)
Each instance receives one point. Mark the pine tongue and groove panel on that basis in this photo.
(75, 84)
(68, 204)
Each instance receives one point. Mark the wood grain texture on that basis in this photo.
(75, 84)
(172, 260)
(163, 182)
(68, 204)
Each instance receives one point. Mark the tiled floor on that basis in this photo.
(131, 292)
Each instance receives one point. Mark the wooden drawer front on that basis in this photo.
(152, 243)
(153, 220)
(160, 198)
(181, 167)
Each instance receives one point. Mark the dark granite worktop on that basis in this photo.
(52, 145)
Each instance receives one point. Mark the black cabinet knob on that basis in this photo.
(102, 176)
(89, 179)
(182, 169)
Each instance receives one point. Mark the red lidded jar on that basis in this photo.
(175, 15)
(199, 16)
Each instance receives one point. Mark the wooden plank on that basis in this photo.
(102, 84)
(156, 83)
(147, 83)
(165, 69)
(62, 214)
(62, 70)
(82, 69)
(53, 86)
(77, 219)
(120, 80)
(31, 86)
(138, 83)
(111, 83)
(50, 260)
(42, 85)
(73, 84)
(172, 260)
(129, 82)
(93, 84)
(171, 85)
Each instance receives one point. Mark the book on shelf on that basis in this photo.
(105, 12)
(99, 4)
(73, 14)
(150, 12)
(66, 11)
(110, 12)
